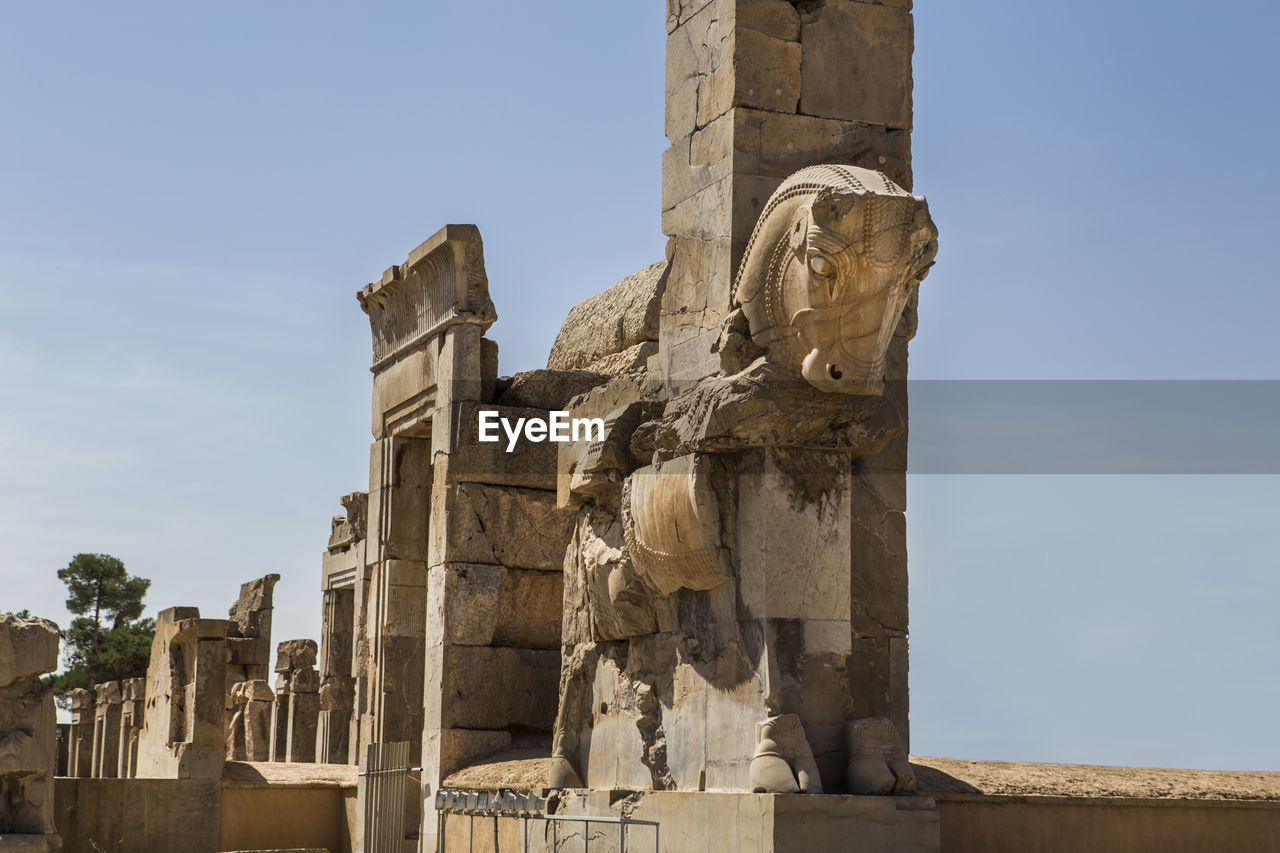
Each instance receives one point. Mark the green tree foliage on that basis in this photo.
(107, 641)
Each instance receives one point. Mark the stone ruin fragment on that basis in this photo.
(28, 649)
(295, 711)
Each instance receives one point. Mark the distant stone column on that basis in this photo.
(278, 750)
(304, 715)
(106, 730)
(334, 729)
(80, 750)
(257, 720)
(296, 709)
(132, 706)
(184, 727)
(28, 750)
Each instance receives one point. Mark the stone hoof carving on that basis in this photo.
(783, 762)
(563, 774)
(671, 522)
(877, 762)
(834, 259)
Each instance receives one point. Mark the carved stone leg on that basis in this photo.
(877, 762)
(783, 762)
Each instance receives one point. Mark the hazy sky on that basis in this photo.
(190, 195)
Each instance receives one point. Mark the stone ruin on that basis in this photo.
(706, 596)
(28, 649)
(206, 699)
(712, 595)
(295, 711)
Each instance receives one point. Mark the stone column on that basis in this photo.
(106, 730)
(132, 705)
(278, 749)
(257, 720)
(185, 721)
(343, 572)
(297, 702)
(756, 90)
(80, 752)
(28, 750)
(304, 714)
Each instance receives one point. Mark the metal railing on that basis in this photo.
(386, 782)
(507, 804)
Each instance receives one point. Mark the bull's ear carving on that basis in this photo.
(833, 260)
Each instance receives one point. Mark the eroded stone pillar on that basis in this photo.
(80, 750)
(106, 730)
(257, 720)
(344, 584)
(297, 702)
(28, 752)
(184, 724)
(133, 695)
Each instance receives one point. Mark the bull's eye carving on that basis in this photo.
(821, 265)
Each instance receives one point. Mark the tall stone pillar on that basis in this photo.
(297, 702)
(133, 696)
(80, 750)
(106, 730)
(185, 722)
(28, 749)
(756, 90)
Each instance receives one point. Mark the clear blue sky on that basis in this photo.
(190, 195)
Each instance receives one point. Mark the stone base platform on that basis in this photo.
(707, 822)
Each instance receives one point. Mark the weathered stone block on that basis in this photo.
(794, 503)
(529, 610)
(553, 389)
(762, 72)
(249, 651)
(529, 464)
(776, 18)
(295, 654)
(456, 748)
(462, 603)
(496, 688)
(620, 317)
(27, 647)
(857, 62)
(480, 605)
(518, 528)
